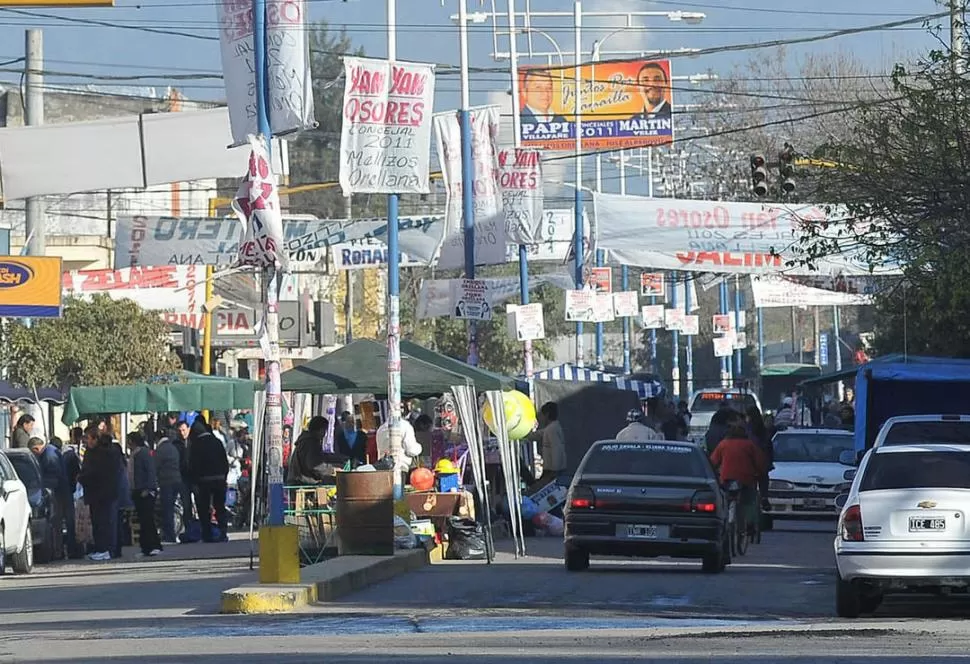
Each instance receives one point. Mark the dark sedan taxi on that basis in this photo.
(645, 500)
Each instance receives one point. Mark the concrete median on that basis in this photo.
(323, 582)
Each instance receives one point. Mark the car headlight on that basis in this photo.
(780, 485)
(843, 488)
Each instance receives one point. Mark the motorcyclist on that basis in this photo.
(739, 459)
(637, 428)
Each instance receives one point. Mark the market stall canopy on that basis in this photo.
(360, 367)
(185, 391)
(482, 379)
(13, 394)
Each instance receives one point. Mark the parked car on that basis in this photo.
(16, 543)
(903, 526)
(918, 429)
(45, 522)
(808, 473)
(646, 500)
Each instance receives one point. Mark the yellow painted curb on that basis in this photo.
(267, 599)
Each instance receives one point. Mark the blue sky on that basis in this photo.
(125, 47)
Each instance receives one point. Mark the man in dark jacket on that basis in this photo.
(308, 463)
(208, 467)
(99, 477)
(349, 442)
(22, 433)
(181, 442)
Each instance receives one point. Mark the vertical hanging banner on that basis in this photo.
(385, 139)
(287, 62)
(490, 226)
(257, 206)
(521, 181)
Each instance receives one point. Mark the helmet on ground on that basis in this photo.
(445, 467)
(634, 415)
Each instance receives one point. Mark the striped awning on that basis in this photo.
(570, 372)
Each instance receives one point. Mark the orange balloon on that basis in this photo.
(422, 479)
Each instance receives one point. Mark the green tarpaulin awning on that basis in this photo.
(361, 368)
(483, 380)
(185, 391)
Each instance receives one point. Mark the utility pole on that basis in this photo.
(957, 24)
(816, 330)
(36, 210)
(349, 299)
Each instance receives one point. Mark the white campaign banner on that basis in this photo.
(469, 299)
(363, 254)
(385, 139)
(581, 306)
(521, 181)
(434, 299)
(179, 289)
(626, 304)
(257, 206)
(288, 65)
(603, 307)
(715, 236)
(555, 237)
(490, 227)
(215, 241)
(692, 326)
(652, 316)
(526, 322)
(723, 346)
(674, 319)
(780, 292)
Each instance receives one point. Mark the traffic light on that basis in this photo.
(786, 168)
(759, 175)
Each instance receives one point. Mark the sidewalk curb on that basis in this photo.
(323, 582)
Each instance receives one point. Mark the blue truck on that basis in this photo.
(910, 386)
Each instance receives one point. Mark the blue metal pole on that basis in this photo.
(524, 297)
(468, 216)
(578, 198)
(725, 361)
(689, 350)
(738, 354)
(394, 295)
(600, 257)
(675, 335)
(274, 397)
(761, 338)
(625, 285)
(653, 342)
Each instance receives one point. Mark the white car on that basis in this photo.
(807, 475)
(910, 429)
(704, 403)
(904, 526)
(16, 542)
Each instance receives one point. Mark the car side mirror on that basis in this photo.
(841, 500)
(848, 458)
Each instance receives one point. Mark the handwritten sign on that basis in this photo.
(385, 141)
(521, 181)
(490, 227)
(288, 64)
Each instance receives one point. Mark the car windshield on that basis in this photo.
(26, 471)
(646, 459)
(914, 433)
(913, 470)
(805, 447)
(709, 402)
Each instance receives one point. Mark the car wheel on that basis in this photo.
(3, 552)
(848, 599)
(714, 563)
(23, 561)
(577, 560)
(869, 602)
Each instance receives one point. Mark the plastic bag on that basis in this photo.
(404, 537)
(552, 525)
(466, 539)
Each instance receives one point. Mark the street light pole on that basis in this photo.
(578, 199)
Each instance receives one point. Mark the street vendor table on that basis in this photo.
(439, 506)
(309, 508)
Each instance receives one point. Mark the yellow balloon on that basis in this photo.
(527, 419)
(520, 416)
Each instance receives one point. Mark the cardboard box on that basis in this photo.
(549, 497)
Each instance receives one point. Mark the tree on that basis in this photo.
(904, 181)
(96, 342)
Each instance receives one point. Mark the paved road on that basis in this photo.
(769, 607)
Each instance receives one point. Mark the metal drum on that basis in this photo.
(365, 513)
